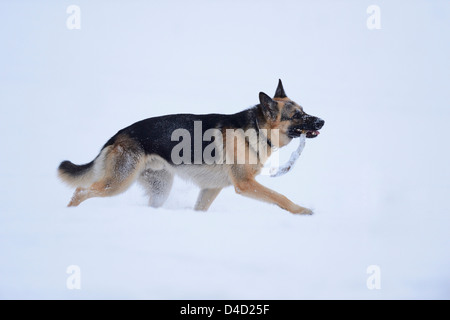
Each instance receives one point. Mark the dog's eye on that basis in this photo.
(297, 115)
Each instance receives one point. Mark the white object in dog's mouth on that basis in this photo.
(294, 156)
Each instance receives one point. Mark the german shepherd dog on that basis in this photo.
(144, 152)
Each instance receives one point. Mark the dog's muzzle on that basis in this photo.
(311, 127)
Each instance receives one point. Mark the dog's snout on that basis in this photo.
(319, 123)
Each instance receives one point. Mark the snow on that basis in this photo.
(377, 177)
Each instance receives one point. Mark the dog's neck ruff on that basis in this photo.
(269, 143)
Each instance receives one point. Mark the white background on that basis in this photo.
(377, 177)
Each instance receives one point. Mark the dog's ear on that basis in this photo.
(280, 90)
(268, 106)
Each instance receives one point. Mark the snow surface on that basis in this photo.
(377, 177)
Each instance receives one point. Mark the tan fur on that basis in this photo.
(282, 99)
(282, 126)
(121, 165)
(253, 189)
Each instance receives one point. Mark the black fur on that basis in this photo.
(73, 169)
(154, 134)
(279, 93)
(268, 106)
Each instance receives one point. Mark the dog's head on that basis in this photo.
(284, 114)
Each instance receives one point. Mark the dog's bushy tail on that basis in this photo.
(76, 175)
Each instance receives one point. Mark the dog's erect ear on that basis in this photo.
(268, 106)
(280, 91)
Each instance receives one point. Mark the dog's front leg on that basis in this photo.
(251, 188)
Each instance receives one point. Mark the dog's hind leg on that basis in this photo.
(205, 199)
(122, 164)
(157, 184)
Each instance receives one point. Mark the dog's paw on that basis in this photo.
(302, 210)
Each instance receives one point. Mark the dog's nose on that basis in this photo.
(319, 123)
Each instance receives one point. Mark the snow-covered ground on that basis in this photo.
(377, 177)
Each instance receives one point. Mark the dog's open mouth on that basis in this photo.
(312, 133)
(309, 133)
